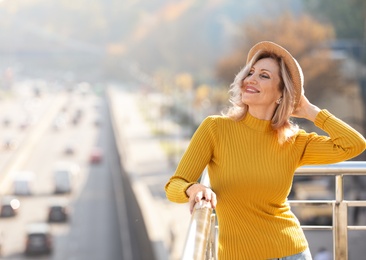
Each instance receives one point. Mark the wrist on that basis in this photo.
(188, 189)
(312, 112)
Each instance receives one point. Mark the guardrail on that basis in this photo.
(201, 241)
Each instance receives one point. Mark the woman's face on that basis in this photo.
(260, 89)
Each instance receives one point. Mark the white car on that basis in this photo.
(63, 177)
(23, 183)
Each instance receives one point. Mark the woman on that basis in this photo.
(252, 153)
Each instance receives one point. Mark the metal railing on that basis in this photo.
(202, 239)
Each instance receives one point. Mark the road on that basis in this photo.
(106, 220)
(103, 209)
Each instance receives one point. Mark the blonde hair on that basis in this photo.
(281, 118)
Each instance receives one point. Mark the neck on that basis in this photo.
(262, 113)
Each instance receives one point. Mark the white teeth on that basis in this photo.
(252, 90)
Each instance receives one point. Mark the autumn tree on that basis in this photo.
(349, 20)
(347, 16)
(303, 36)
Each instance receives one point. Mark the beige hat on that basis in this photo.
(292, 65)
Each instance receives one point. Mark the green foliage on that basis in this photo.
(347, 16)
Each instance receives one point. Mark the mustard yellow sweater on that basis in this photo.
(252, 175)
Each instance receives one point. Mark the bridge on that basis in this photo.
(118, 207)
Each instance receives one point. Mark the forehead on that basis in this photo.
(267, 64)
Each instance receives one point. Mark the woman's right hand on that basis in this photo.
(198, 192)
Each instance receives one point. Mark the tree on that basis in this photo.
(303, 36)
(349, 20)
(347, 16)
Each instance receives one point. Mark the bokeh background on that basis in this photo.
(177, 59)
(185, 47)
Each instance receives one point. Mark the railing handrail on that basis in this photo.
(345, 168)
(197, 240)
(208, 241)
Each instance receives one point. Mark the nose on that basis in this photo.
(252, 79)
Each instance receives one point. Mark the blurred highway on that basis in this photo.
(97, 227)
(107, 220)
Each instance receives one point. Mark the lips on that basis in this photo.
(250, 89)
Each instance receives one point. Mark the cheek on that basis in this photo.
(243, 83)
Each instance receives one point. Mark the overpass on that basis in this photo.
(145, 169)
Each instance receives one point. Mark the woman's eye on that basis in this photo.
(264, 76)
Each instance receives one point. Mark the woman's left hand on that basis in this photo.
(305, 109)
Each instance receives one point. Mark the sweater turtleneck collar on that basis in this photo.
(254, 123)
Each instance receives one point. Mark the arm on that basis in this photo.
(343, 142)
(306, 110)
(182, 186)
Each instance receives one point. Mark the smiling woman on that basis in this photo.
(261, 89)
(251, 153)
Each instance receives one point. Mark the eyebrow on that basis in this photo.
(263, 70)
(266, 70)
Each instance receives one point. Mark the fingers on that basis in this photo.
(194, 198)
(213, 200)
(191, 205)
(200, 192)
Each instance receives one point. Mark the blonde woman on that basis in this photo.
(251, 154)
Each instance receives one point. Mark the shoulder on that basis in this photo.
(303, 136)
(217, 120)
(215, 123)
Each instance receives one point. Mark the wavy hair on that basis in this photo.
(281, 118)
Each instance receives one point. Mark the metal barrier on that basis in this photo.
(201, 242)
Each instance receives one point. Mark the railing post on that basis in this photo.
(198, 233)
(340, 222)
(200, 241)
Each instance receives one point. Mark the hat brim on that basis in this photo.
(292, 65)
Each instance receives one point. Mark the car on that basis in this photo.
(78, 115)
(9, 207)
(63, 176)
(23, 183)
(69, 149)
(97, 121)
(38, 239)
(59, 122)
(58, 212)
(6, 121)
(9, 143)
(26, 123)
(96, 155)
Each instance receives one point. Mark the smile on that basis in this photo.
(251, 90)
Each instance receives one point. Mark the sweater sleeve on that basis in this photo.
(195, 159)
(343, 142)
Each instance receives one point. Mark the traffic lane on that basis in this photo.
(71, 239)
(93, 234)
(34, 208)
(13, 132)
(94, 230)
(12, 232)
(21, 155)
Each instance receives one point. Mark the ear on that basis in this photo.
(278, 101)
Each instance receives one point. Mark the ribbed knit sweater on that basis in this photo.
(252, 174)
